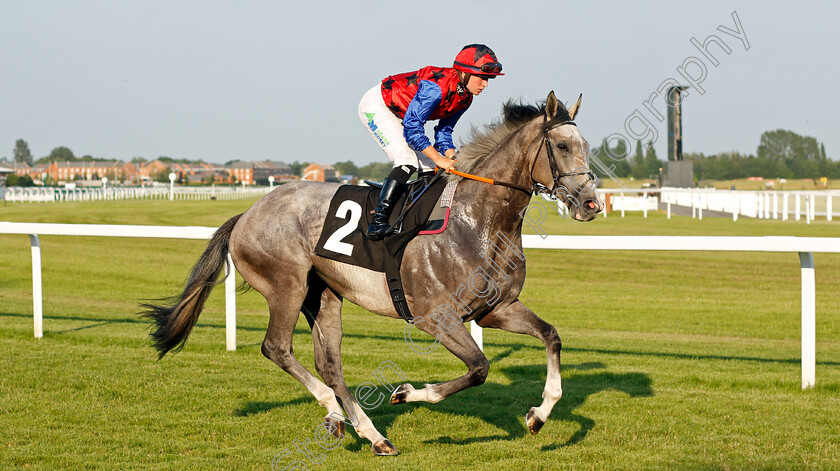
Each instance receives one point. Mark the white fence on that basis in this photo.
(161, 232)
(757, 204)
(804, 246)
(50, 194)
(781, 205)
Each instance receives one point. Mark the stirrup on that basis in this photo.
(377, 231)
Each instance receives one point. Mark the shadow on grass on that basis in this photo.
(252, 408)
(502, 406)
(100, 321)
(399, 339)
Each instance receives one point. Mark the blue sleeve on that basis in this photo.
(424, 103)
(443, 132)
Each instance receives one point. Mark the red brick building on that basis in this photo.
(86, 170)
(320, 173)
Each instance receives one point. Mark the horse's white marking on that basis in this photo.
(365, 427)
(426, 394)
(324, 395)
(551, 394)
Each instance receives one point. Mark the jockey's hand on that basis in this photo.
(446, 164)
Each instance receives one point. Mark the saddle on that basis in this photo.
(424, 209)
(439, 217)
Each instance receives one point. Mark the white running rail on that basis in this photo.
(805, 247)
(96, 230)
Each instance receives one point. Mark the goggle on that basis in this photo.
(491, 67)
(486, 68)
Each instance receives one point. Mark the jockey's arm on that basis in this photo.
(444, 162)
(425, 101)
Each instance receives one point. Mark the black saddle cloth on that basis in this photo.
(349, 215)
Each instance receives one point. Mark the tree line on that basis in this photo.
(780, 154)
(21, 153)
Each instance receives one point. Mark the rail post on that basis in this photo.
(798, 206)
(809, 329)
(736, 203)
(784, 207)
(230, 304)
(37, 299)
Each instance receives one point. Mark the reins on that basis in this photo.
(552, 162)
(491, 181)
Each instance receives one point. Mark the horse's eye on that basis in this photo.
(562, 146)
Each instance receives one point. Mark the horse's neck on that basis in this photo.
(510, 162)
(492, 208)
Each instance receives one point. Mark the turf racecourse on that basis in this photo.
(671, 361)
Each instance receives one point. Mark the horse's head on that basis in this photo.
(561, 166)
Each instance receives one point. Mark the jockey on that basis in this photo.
(395, 111)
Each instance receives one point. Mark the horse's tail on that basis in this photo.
(173, 323)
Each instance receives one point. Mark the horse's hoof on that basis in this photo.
(400, 394)
(533, 422)
(335, 427)
(384, 448)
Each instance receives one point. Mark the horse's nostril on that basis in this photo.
(591, 204)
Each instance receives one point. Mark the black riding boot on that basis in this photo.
(391, 192)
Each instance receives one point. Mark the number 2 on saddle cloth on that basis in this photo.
(351, 209)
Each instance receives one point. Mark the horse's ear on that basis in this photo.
(551, 106)
(573, 111)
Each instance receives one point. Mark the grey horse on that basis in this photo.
(474, 270)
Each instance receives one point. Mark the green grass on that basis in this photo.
(674, 360)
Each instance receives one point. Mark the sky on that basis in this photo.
(281, 80)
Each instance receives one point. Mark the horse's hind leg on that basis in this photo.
(277, 346)
(326, 335)
(519, 319)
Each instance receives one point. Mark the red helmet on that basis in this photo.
(478, 59)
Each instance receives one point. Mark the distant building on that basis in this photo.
(348, 179)
(251, 173)
(4, 175)
(200, 172)
(320, 173)
(241, 172)
(154, 170)
(39, 172)
(257, 173)
(86, 170)
(18, 168)
(268, 168)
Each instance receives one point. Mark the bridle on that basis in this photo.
(559, 190)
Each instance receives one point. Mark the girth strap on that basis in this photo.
(391, 262)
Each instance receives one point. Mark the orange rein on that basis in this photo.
(487, 180)
(471, 177)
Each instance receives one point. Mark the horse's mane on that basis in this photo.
(482, 141)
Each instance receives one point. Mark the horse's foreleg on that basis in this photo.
(326, 335)
(518, 318)
(462, 345)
